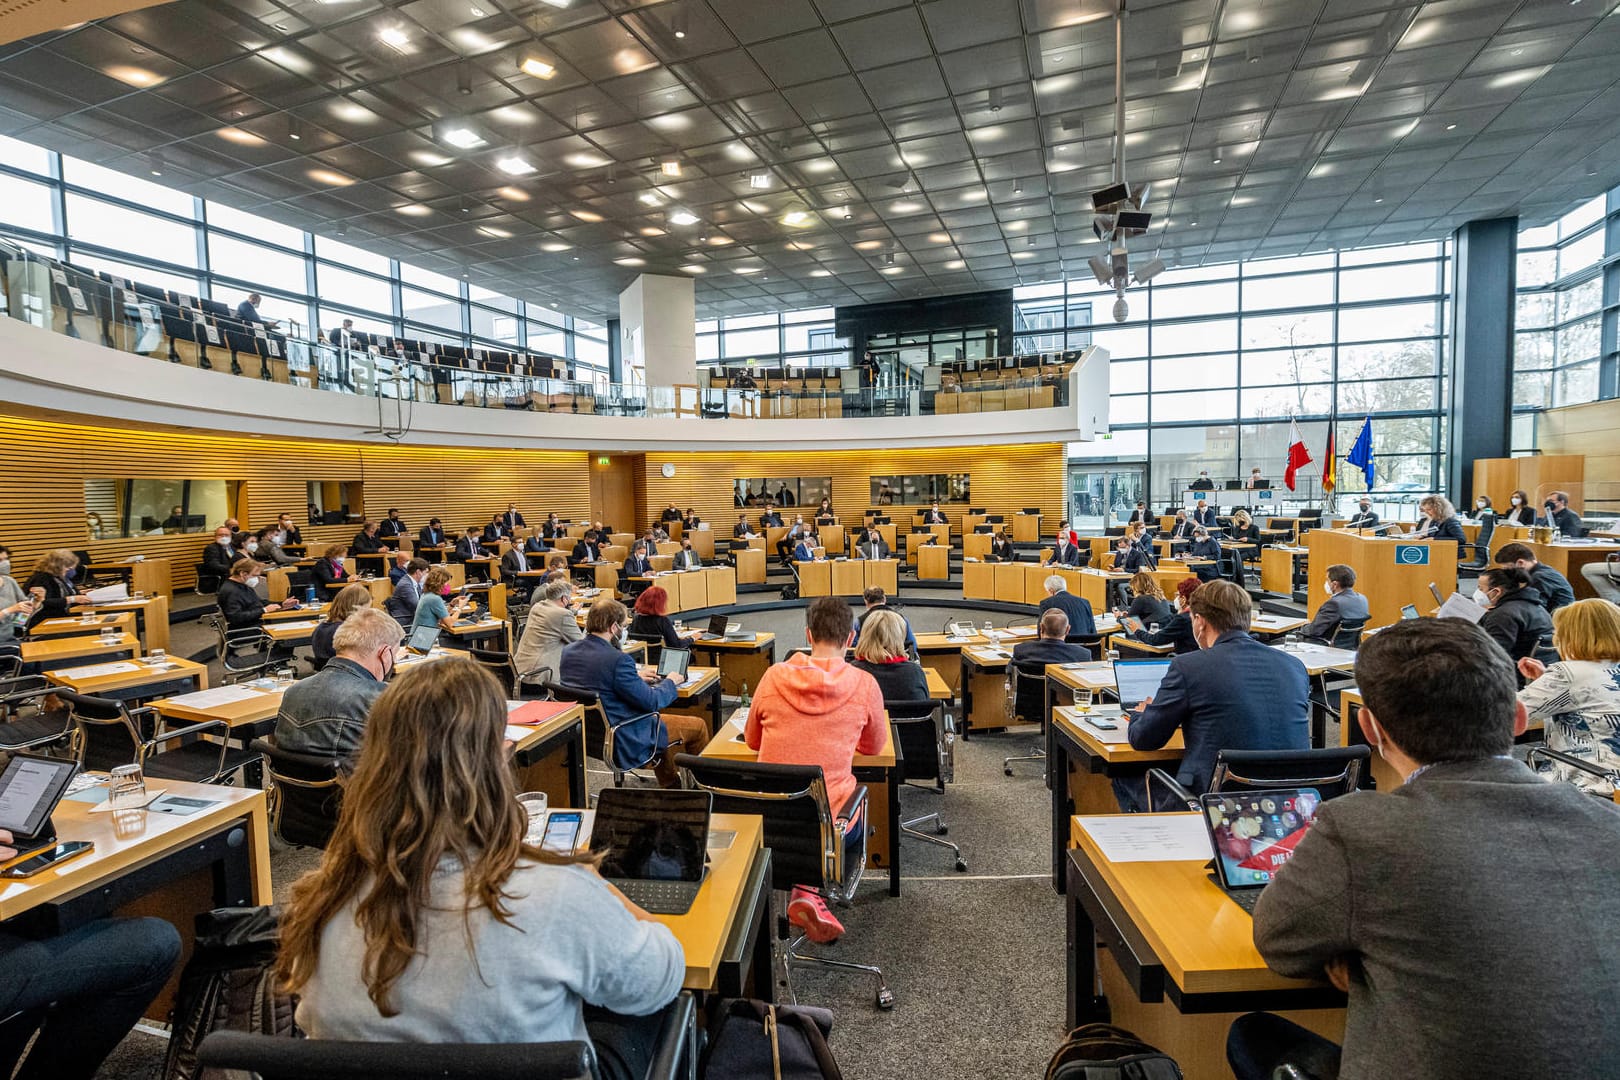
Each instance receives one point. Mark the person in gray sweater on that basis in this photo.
(1468, 913)
(550, 626)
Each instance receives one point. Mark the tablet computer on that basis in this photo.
(674, 661)
(30, 788)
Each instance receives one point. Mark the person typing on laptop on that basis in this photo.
(431, 919)
(1233, 694)
(1444, 861)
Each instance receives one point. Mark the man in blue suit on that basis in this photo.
(1064, 553)
(1233, 694)
(1077, 608)
(1204, 515)
(594, 663)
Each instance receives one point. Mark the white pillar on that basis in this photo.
(658, 328)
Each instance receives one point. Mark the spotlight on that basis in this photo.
(1149, 270)
(670, 167)
(540, 69)
(1101, 269)
(759, 180)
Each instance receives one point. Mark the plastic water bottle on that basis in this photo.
(746, 700)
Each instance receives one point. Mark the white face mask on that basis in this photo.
(253, 582)
(1481, 599)
(5, 567)
(1481, 504)
(1327, 587)
(223, 541)
(253, 545)
(1515, 500)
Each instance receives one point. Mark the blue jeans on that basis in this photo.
(83, 991)
(1259, 1043)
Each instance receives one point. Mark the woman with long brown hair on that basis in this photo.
(431, 920)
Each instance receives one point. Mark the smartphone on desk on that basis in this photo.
(562, 831)
(44, 860)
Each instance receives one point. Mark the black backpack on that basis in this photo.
(790, 591)
(761, 1041)
(1105, 1052)
(227, 985)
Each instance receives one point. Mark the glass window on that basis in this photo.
(591, 352)
(494, 325)
(332, 319)
(1387, 321)
(427, 279)
(1289, 330)
(1128, 410)
(118, 185)
(251, 225)
(1218, 298)
(492, 299)
(1269, 367)
(351, 256)
(708, 347)
(742, 343)
(144, 275)
(1537, 267)
(1534, 351)
(1576, 384)
(1122, 342)
(26, 204)
(1579, 254)
(1301, 290)
(1582, 299)
(1534, 309)
(233, 258)
(1194, 372)
(547, 339)
(545, 314)
(92, 221)
(1290, 265)
(334, 284)
(1306, 400)
(1579, 218)
(25, 156)
(1423, 249)
(1387, 396)
(1180, 453)
(1579, 341)
(1389, 282)
(1388, 360)
(1192, 337)
(1129, 377)
(434, 310)
(1198, 405)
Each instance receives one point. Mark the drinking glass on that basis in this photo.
(126, 789)
(535, 804)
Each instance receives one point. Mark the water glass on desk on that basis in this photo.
(156, 656)
(126, 788)
(535, 804)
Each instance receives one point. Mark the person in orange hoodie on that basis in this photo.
(818, 710)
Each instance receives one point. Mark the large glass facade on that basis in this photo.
(106, 220)
(796, 339)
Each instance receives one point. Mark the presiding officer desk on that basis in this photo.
(1174, 957)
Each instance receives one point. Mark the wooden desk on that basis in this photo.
(302, 612)
(551, 758)
(1009, 579)
(66, 651)
(136, 680)
(1568, 559)
(750, 565)
(262, 706)
(832, 538)
(151, 618)
(292, 632)
(815, 578)
(1082, 768)
(1177, 962)
(121, 621)
(171, 866)
(1269, 626)
(726, 934)
(1384, 776)
(152, 576)
(699, 696)
(1277, 568)
(848, 578)
(488, 627)
(1026, 528)
(740, 661)
(1094, 587)
(976, 545)
(978, 581)
(934, 562)
(983, 682)
(1388, 585)
(880, 773)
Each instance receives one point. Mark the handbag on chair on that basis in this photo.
(761, 1041)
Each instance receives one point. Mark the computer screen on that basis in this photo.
(1138, 680)
(1255, 832)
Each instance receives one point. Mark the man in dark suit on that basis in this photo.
(876, 599)
(872, 546)
(934, 516)
(1443, 860)
(347, 337)
(587, 549)
(770, 519)
(468, 546)
(248, 312)
(222, 554)
(534, 545)
(1233, 694)
(1204, 515)
(1364, 518)
(290, 533)
(595, 663)
(1203, 483)
(551, 528)
(671, 513)
(1049, 647)
(1128, 558)
(1181, 528)
(741, 530)
(494, 532)
(1077, 609)
(1561, 517)
(1140, 515)
(804, 550)
(515, 561)
(785, 546)
(512, 519)
(1343, 605)
(391, 527)
(367, 542)
(687, 558)
(637, 564)
(432, 536)
(1064, 553)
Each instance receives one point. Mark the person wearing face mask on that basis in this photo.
(550, 627)
(1205, 547)
(329, 569)
(1520, 512)
(625, 692)
(265, 546)
(1343, 604)
(1203, 483)
(15, 605)
(407, 592)
(1233, 694)
(687, 558)
(1515, 616)
(435, 608)
(350, 599)
(1204, 514)
(290, 533)
(325, 714)
(239, 601)
(222, 554)
(1363, 518)
(1177, 633)
(51, 586)
(1561, 517)
(1484, 509)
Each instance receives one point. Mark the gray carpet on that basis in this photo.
(974, 960)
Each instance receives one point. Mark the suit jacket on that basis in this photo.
(388, 527)
(1553, 587)
(802, 552)
(1068, 555)
(686, 560)
(1519, 515)
(294, 536)
(1003, 549)
(467, 548)
(239, 604)
(1235, 695)
(357, 339)
(534, 545)
(492, 534)
(1132, 560)
(593, 664)
(1077, 608)
(430, 537)
(365, 545)
(325, 573)
(551, 532)
(1141, 517)
(1518, 622)
(402, 604)
(514, 561)
(1049, 651)
(513, 520)
(1203, 483)
(1489, 992)
(1347, 606)
(219, 560)
(1177, 633)
(670, 515)
(1182, 530)
(867, 550)
(548, 630)
(1205, 518)
(934, 517)
(1369, 520)
(636, 566)
(740, 531)
(772, 520)
(584, 552)
(899, 680)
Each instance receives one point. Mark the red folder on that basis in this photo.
(537, 712)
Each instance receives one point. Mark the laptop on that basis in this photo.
(1253, 833)
(1234, 485)
(654, 845)
(720, 628)
(422, 639)
(1434, 591)
(674, 661)
(1138, 680)
(1410, 611)
(1032, 510)
(30, 788)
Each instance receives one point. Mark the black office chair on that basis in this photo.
(1026, 703)
(498, 663)
(108, 733)
(1552, 758)
(247, 652)
(654, 642)
(1092, 642)
(1347, 635)
(600, 740)
(306, 794)
(926, 738)
(1332, 771)
(806, 842)
(24, 723)
(279, 1057)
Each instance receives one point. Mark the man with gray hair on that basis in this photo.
(1077, 608)
(326, 713)
(550, 626)
(1049, 647)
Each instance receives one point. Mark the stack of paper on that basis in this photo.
(1149, 837)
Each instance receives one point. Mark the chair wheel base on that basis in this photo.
(885, 998)
(961, 867)
(1007, 769)
(943, 830)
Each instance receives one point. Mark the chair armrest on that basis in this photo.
(672, 1050)
(1579, 764)
(162, 735)
(1173, 789)
(854, 805)
(24, 688)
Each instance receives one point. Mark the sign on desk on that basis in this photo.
(1411, 555)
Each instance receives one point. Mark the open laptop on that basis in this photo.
(1138, 680)
(720, 628)
(1253, 833)
(674, 661)
(423, 638)
(30, 788)
(654, 844)
(1410, 611)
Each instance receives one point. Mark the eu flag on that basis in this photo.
(1361, 453)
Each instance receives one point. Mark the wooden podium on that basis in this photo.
(848, 578)
(978, 581)
(815, 578)
(1390, 572)
(1026, 528)
(934, 563)
(750, 565)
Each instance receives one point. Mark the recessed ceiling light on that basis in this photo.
(1023, 254)
(1016, 226)
(490, 230)
(747, 270)
(759, 180)
(515, 194)
(670, 167)
(720, 241)
(477, 12)
(821, 273)
(513, 165)
(868, 245)
(559, 3)
(939, 238)
(394, 37)
(413, 210)
(683, 217)
(894, 269)
(649, 197)
(330, 177)
(1451, 127)
(631, 261)
(155, 167)
(134, 76)
(795, 217)
(238, 136)
(905, 206)
(464, 138)
(354, 114)
(555, 245)
(651, 230)
(956, 264)
(586, 215)
(694, 268)
(540, 69)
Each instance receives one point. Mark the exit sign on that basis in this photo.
(603, 461)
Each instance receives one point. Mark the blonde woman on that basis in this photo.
(350, 599)
(1440, 522)
(1148, 603)
(434, 609)
(881, 653)
(430, 919)
(51, 585)
(1578, 698)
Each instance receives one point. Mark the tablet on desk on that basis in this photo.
(30, 788)
(674, 661)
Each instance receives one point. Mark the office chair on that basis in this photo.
(1092, 642)
(1605, 577)
(655, 645)
(280, 1057)
(248, 652)
(1481, 545)
(1026, 703)
(306, 794)
(806, 842)
(926, 738)
(1348, 634)
(108, 733)
(1554, 758)
(499, 664)
(600, 741)
(1332, 771)
(36, 728)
